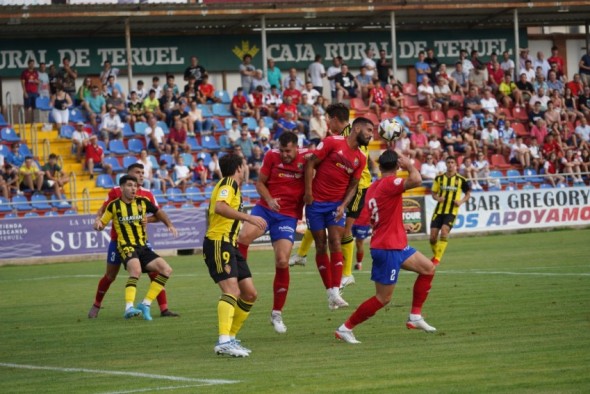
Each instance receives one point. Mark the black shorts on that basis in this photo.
(440, 219)
(143, 253)
(354, 208)
(224, 260)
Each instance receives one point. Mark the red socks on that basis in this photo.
(323, 263)
(360, 254)
(243, 250)
(103, 286)
(366, 310)
(336, 266)
(421, 289)
(280, 288)
(162, 299)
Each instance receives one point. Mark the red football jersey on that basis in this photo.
(384, 203)
(364, 218)
(115, 193)
(338, 164)
(285, 182)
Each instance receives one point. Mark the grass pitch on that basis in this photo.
(513, 314)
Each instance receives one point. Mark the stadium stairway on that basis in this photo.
(62, 147)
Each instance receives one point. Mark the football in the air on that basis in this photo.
(390, 129)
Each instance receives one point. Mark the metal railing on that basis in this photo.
(73, 184)
(86, 201)
(9, 108)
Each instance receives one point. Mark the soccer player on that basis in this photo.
(128, 213)
(450, 190)
(281, 187)
(113, 259)
(361, 229)
(227, 267)
(338, 163)
(389, 245)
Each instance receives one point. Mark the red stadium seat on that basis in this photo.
(438, 117)
(358, 105)
(409, 89)
(520, 113)
(436, 130)
(411, 103)
(425, 114)
(388, 115)
(372, 117)
(499, 162)
(452, 112)
(506, 112)
(520, 130)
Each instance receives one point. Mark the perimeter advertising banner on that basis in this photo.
(159, 55)
(73, 235)
(522, 209)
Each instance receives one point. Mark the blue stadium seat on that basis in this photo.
(545, 186)
(174, 194)
(205, 156)
(220, 109)
(3, 122)
(223, 95)
(224, 142)
(42, 103)
(269, 122)
(115, 164)
(104, 147)
(249, 190)
(105, 181)
(164, 127)
(188, 159)
(205, 110)
(21, 203)
(9, 135)
(251, 122)
(169, 207)
(24, 150)
(208, 191)
(39, 201)
(218, 126)
(140, 127)
(51, 213)
(135, 145)
(209, 143)
(128, 160)
(76, 115)
(66, 131)
(515, 173)
(31, 214)
(194, 144)
(187, 205)
(5, 205)
(532, 176)
(11, 215)
(128, 131)
(227, 123)
(194, 194)
(159, 196)
(168, 159)
(71, 212)
(118, 147)
(58, 203)
(154, 161)
(495, 174)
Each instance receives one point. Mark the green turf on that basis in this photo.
(512, 311)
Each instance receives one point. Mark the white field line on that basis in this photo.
(121, 373)
(156, 389)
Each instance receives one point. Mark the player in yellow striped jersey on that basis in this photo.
(227, 267)
(128, 214)
(450, 190)
(338, 118)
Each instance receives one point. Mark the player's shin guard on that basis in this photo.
(225, 313)
(280, 288)
(131, 290)
(243, 250)
(156, 287)
(422, 287)
(306, 242)
(241, 313)
(162, 298)
(103, 286)
(365, 311)
(347, 245)
(441, 246)
(336, 266)
(433, 247)
(323, 263)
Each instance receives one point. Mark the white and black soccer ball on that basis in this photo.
(390, 129)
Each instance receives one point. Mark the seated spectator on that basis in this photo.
(14, 157)
(584, 102)
(196, 121)
(553, 115)
(135, 109)
(95, 158)
(238, 152)
(539, 131)
(95, 106)
(452, 140)
(576, 85)
(299, 85)
(495, 76)
(435, 146)
(259, 80)
(583, 133)
(163, 176)
(168, 104)
(285, 124)
(318, 127)
(535, 114)
(508, 93)
(469, 120)
(526, 88)
(171, 84)
(470, 141)
(262, 131)
(520, 153)
(312, 94)
(111, 85)
(305, 110)
(404, 145)
(461, 79)
(154, 136)
(395, 98)
(177, 139)
(255, 162)
(442, 73)
(245, 142)
(469, 171)
(549, 165)
(551, 145)
(428, 169)
(426, 95)
(257, 102)
(9, 178)
(117, 101)
(482, 167)
(111, 127)
(80, 139)
(149, 180)
(214, 169)
(240, 107)
(272, 101)
(302, 141)
(541, 83)
(30, 177)
(201, 173)
(207, 91)
(490, 139)
(535, 151)
(151, 105)
(346, 84)
(478, 77)
(489, 105)
(54, 178)
(265, 145)
(182, 175)
(554, 84)
(419, 141)
(541, 98)
(442, 94)
(365, 83)
(378, 98)
(233, 133)
(473, 101)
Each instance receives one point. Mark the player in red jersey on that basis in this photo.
(361, 229)
(389, 245)
(281, 187)
(113, 258)
(338, 163)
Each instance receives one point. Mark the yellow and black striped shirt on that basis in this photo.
(219, 227)
(451, 189)
(366, 178)
(128, 220)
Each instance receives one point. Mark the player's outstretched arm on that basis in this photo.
(161, 215)
(414, 177)
(223, 209)
(262, 189)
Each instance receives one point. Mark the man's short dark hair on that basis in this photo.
(338, 111)
(286, 138)
(246, 55)
(123, 180)
(229, 164)
(388, 160)
(361, 120)
(52, 156)
(134, 165)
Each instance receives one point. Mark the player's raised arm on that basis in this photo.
(223, 209)
(414, 177)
